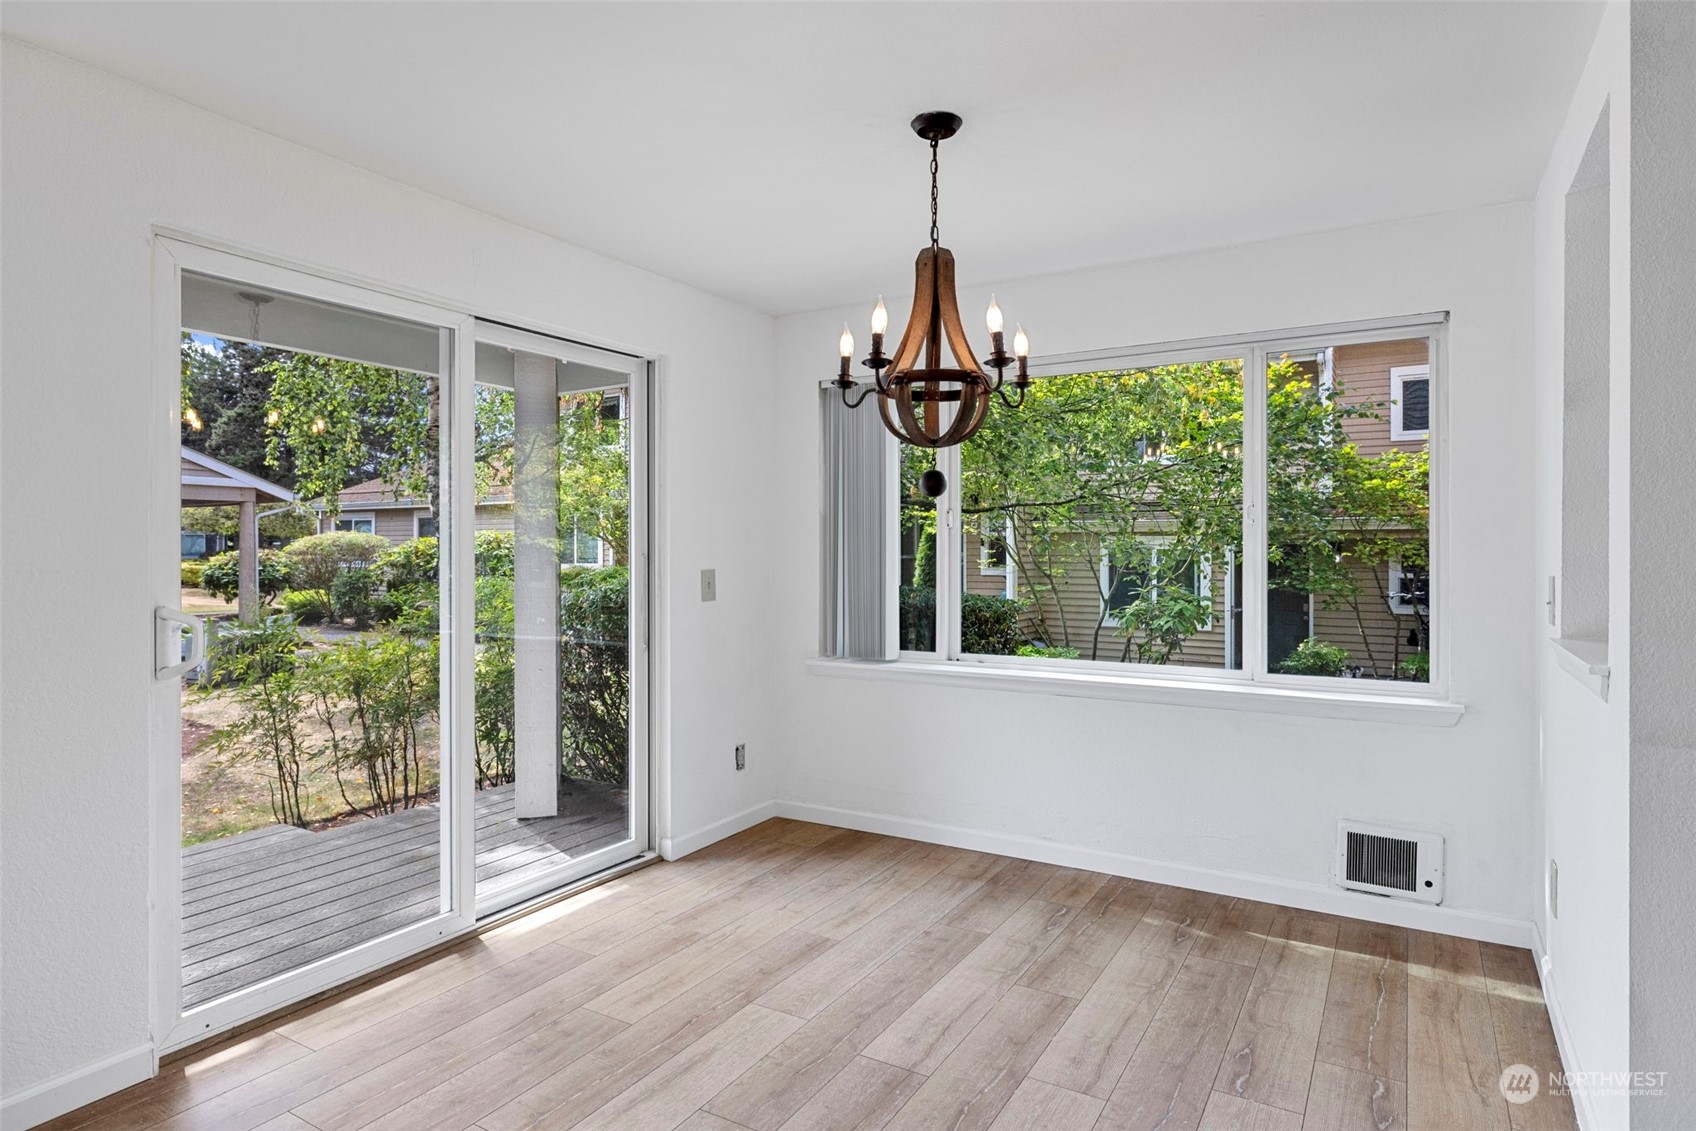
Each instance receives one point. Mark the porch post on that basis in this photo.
(247, 562)
(535, 598)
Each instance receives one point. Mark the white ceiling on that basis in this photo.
(761, 151)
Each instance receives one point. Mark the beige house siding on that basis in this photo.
(1363, 375)
(395, 525)
(1375, 637)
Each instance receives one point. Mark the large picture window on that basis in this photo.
(1254, 509)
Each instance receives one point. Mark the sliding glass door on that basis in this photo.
(560, 772)
(400, 639)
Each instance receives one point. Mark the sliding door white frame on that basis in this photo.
(172, 1026)
(633, 372)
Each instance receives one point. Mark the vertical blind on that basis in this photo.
(855, 532)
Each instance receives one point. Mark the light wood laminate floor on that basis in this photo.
(799, 976)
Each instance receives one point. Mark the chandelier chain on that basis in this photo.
(935, 236)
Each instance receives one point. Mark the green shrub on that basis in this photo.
(191, 574)
(1048, 652)
(410, 565)
(989, 626)
(259, 662)
(492, 681)
(314, 561)
(495, 723)
(918, 618)
(221, 576)
(1416, 667)
(353, 595)
(493, 549)
(415, 605)
(1161, 620)
(594, 677)
(370, 697)
(237, 650)
(1315, 657)
(307, 606)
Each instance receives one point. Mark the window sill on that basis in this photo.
(1324, 704)
(1584, 660)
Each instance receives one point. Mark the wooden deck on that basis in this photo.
(275, 899)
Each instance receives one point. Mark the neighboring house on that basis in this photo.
(373, 508)
(1076, 609)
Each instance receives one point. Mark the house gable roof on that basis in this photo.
(201, 470)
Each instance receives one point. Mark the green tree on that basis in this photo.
(594, 457)
(1106, 463)
(342, 422)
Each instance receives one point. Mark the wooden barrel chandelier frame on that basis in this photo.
(913, 385)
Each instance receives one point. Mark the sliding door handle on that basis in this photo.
(168, 625)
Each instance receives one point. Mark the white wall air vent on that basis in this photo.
(1389, 861)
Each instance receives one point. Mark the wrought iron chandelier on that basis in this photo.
(913, 387)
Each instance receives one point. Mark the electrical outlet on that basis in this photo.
(1554, 889)
(741, 755)
(709, 585)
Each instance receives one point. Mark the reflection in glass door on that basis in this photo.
(560, 754)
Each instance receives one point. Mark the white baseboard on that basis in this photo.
(54, 1097)
(1582, 1105)
(675, 847)
(1266, 889)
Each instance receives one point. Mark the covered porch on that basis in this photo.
(208, 482)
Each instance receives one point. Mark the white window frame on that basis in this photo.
(1399, 607)
(1420, 703)
(418, 518)
(600, 550)
(1399, 375)
(1006, 540)
(354, 516)
(1157, 543)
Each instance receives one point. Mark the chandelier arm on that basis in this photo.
(865, 391)
(1008, 401)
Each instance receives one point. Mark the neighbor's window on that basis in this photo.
(1410, 402)
(361, 524)
(1125, 515)
(578, 547)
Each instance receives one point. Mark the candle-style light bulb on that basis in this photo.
(1021, 344)
(994, 316)
(846, 342)
(880, 317)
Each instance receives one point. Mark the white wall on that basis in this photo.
(1207, 789)
(91, 162)
(1663, 545)
(1584, 809)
